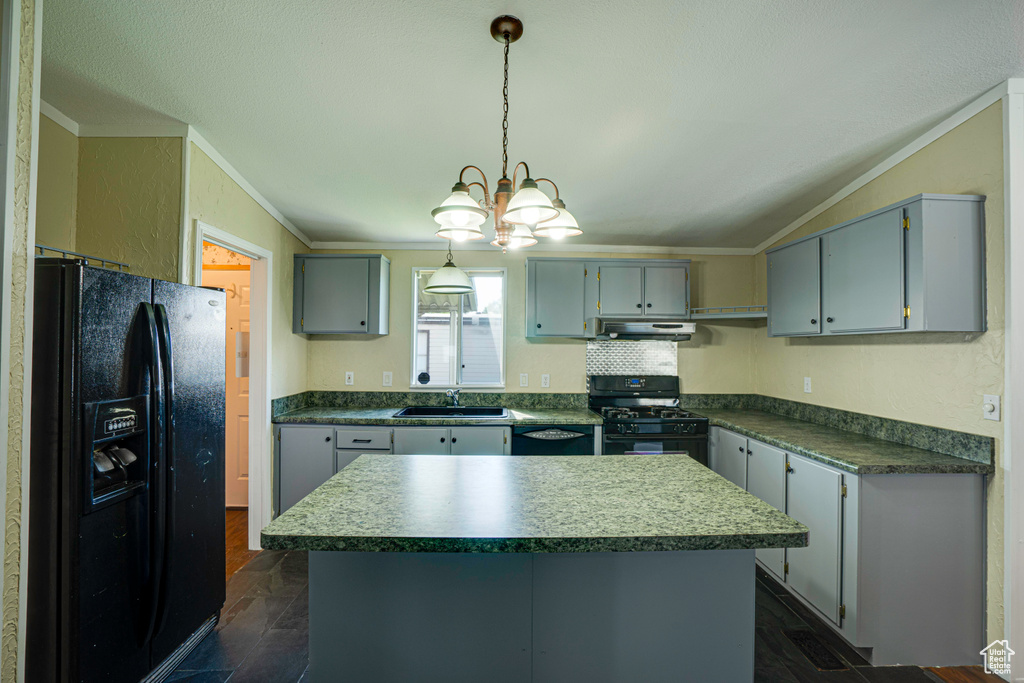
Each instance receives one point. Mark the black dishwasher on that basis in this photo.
(553, 440)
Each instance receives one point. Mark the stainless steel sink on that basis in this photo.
(453, 412)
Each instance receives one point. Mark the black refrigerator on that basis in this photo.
(126, 491)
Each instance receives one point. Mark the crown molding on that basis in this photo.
(58, 117)
(976, 106)
(481, 245)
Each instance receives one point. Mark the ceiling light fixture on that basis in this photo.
(518, 215)
(448, 279)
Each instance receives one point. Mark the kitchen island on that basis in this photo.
(471, 568)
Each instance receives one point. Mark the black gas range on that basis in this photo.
(642, 415)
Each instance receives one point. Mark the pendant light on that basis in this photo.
(448, 279)
(519, 213)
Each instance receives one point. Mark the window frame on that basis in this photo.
(500, 385)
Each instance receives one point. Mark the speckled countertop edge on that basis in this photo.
(386, 416)
(482, 504)
(848, 451)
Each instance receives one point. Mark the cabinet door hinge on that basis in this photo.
(302, 322)
(599, 305)
(906, 223)
(844, 490)
(303, 267)
(584, 325)
(842, 611)
(785, 568)
(599, 276)
(279, 436)
(504, 438)
(906, 311)
(584, 272)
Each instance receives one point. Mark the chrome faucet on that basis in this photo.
(453, 394)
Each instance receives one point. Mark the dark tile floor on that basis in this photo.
(263, 634)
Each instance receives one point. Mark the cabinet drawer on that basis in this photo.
(366, 439)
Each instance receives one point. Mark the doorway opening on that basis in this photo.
(230, 271)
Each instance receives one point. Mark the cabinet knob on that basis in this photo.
(454, 439)
(750, 452)
(648, 305)
(828, 320)
(442, 439)
(639, 306)
(742, 449)
(789, 469)
(362, 322)
(327, 439)
(538, 326)
(814, 321)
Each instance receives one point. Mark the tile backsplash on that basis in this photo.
(632, 358)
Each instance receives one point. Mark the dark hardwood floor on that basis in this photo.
(263, 636)
(238, 553)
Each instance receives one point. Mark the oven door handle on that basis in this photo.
(652, 437)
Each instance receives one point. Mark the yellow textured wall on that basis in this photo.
(216, 199)
(129, 202)
(57, 185)
(928, 378)
(716, 360)
(20, 259)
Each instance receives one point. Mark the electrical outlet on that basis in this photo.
(545, 380)
(991, 407)
(524, 379)
(807, 385)
(386, 381)
(350, 378)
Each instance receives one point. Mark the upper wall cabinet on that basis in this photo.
(561, 293)
(918, 265)
(341, 294)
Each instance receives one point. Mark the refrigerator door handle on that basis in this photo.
(147, 359)
(167, 365)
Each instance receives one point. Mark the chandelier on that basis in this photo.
(519, 216)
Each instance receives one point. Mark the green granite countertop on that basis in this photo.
(532, 504)
(385, 416)
(847, 451)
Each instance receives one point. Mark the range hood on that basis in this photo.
(641, 328)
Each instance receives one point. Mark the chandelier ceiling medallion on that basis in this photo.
(519, 216)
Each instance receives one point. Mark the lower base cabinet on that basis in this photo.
(306, 461)
(470, 440)
(895, 562)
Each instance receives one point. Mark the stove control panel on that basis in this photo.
(634, 382)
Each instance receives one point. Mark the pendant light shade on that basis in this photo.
(522, 236)
(459, 216)
(563, 226)
(529, 206)
(448, 279)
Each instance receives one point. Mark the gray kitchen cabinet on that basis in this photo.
(766, 479)
(665, 290)
(421, 441)
(794, 289)
(622, 290)
(352, 442)
(480, 441)
(863, 274)
(468, 440)
(915, 266)
(306, 460)
(555, 298)
(341, 294)
(814, 498)
(728, 456)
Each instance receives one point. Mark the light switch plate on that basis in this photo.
(350, 378)
(807, 385)
(990, 407)
(545, 380)
(524, 379)
(386, 381)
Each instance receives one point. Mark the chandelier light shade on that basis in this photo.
(515, 212)
(448, 279)
(559, 228)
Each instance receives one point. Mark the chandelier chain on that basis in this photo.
(504, 120)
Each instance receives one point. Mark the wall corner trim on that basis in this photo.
(58, 117)
(977, 105)
(194, 136)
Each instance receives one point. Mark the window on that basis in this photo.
(459, 341)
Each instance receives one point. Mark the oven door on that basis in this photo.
(657, 444)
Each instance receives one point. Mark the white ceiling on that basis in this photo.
(665, 123)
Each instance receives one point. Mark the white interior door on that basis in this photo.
(235, 283)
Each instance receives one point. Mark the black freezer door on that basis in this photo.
(195, 320)
(87, 574)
